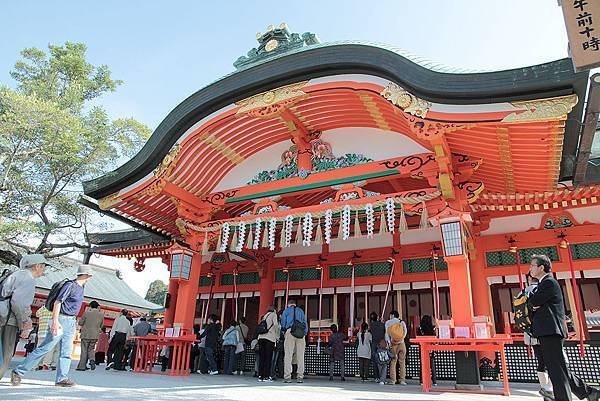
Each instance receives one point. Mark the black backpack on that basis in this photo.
(5, 274)
(54, 291)
(522, 312)
(262, 327)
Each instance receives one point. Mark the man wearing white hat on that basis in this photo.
(61, 331)
(17, 290)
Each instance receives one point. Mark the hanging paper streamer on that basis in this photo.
(205, 245)
(289, 224)
(318, 234)
(328, 222)
(345, 225)
(218, 247)
(265, 237)
(320, 310)
(307, 228)
(224, 238)
(257, 230)
(298, 239)
(272, 226)
(357, 231)
(383, 223)
(424, 218)
(233, 245)
(402, 226)
(370, 219)
(389, 205)
(241, 236)
(250, 240)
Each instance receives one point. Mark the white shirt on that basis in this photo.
(121, 325)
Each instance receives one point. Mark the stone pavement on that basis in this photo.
(112, 385)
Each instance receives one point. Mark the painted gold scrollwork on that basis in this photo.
(555, 108)
(273, 102)
(109, 201)
(406, 100)
(168, 163)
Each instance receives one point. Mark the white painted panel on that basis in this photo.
(566, 275)
(589, 214)
(420, 236)
(219, 295)
(511, 279)
(374, 143)
(204, 296)
(354, 244)
(418, 285)
(328, 290)
(362, 288)
(294, 292)
(343, 290)
(309, 291)
(380, 287)
(279, 293)
(514, 224)
(299, 249)
(443, 283)
(246, 294)
(591, 273)
(402, 286)
(494, 280)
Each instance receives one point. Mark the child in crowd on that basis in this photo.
(384, 356)
(336, 351)
(363, 350)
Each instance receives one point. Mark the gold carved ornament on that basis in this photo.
(109, 201)
(271, 103)
(408, 102)
(555, 108)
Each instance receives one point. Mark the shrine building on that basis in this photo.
(356, 178)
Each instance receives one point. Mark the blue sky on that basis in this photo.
(165, 51)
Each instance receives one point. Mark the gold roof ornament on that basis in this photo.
(289, 94)
(555, 108)
(406, 100)
(168, 163)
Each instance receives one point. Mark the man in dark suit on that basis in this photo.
(548, 326)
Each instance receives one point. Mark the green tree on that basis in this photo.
(53, 136)
(157, 292)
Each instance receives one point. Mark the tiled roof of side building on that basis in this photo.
(104, 286)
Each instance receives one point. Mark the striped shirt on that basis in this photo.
(44, 316)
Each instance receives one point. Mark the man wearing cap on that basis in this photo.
(61, 330)
(17, 294)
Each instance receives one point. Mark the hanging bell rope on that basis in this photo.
(402, 226)
(318, 234)
(424, 218)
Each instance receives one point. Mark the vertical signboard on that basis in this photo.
(582, 19)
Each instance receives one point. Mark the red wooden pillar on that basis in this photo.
(266, 288)
(187, 295)
(170, 311)
(479, 285)
(460, 290)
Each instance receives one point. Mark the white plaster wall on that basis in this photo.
(514, 224)
(588, 214)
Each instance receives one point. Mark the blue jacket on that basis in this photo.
(287, 318)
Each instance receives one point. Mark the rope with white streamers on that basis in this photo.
(224, 237)
(346, 222)
(307, 227)
(289, 223)
(328, 222)
(370, 220)
(272, 225)
(241, 236)
(257, 233)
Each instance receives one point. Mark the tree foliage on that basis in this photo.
(53, 136)
(157, 292)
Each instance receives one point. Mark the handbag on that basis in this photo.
(239, 348)
(297, 329)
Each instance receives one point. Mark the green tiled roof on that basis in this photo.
(104, 286)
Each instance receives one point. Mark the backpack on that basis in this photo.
(298, 327)
(5, 274)
(54, 291)
(522, 312)
(262, 327)
(396, 332)
(383, 356)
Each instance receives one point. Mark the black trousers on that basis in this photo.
(364, 364)
(116, 348)
(265, 357)
(563, 381)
